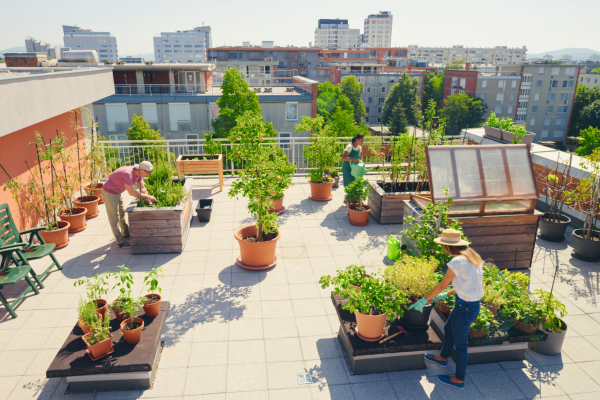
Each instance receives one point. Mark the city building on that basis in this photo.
(182, 46)
(336, 33)
(132, 59)
(591, 79)
(595, 57)
(38, 46)
(378, 30)
(498, 55)
(539, 96)
(105, 43)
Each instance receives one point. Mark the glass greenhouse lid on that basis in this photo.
(481, 173)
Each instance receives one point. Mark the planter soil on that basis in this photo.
(586, 249)
(553, 230)
(90, 203)
(370, 327)
(256, 255)
(204, 210)
(60, 236)
(552, 346)
(415, 319)
(132, 336)
(320, 191)
(152, 305)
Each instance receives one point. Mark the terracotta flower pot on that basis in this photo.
(102, 307)
(278, 207)
(90, 203)
(370, 327)
(120, 317)
(96, 191)
(99, 349)
(76, 220)
(320, 191)
(151, 310)
(492, 308)
(84, 328)
(359, 218)
(133, 336)
(445, 309)
(60, 236)
(476, 334)
(255, 255)
(526, 328)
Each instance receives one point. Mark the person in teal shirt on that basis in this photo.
(351, 153)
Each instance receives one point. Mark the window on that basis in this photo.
(538, 84)
(371, 79)
(291, 111)
(565, 96)
(512, 97)
(510, 110)
(549, 109)
(523, 104)
(501, 84)
(500, 97)
(454, 82)
(192, 147)
(463, 83)
(541, 71)
(560, 121)
(482, 96)
(116, 115)
(563, 109)
(498, 110)
(567, 84)
(569, 71)
(382, 79)
(514, 84)
(368, 89)
(214, 110)
(367, 109)
(149, 112)
(369, 100)
(379, 109)
(558, 133)
(526, 78)
(546, 121)
(483, 84)
(284, 143)
(544, 133)
(452, 91)
(383, 89)
(553, 84)
(521, 117)
(179, 114)
(536, 97)
(461, 92)
(525, 92)
(551, 96)
(555, 71)
(532, 122)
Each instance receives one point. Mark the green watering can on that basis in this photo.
(359, 169)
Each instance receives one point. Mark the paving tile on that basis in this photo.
(168, 382)
(308, 307)
(246, 352)
(331, 392)
(495, 385)
(215, 330)
(319, 347)
(582, 324)
(571, 378)
(579, 349)
(311, 326)
(534, 382)
(246, 377)
(283, 349)
(329, 371)
(177, 356)
(446, 392)
(284, 375)
(583, 396)
(16, 362)
(204, 380)
(30, 339)
(304, 291)
(291, 394)
(275, 292)
(277, 309)
(35, 387)
(275, 328)
(378, 390)
(417, 388)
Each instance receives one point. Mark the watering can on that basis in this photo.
(359, 169)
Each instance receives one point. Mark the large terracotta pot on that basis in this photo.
(135, 335)
(526, 328)
(100, 349)
(321, 191)
(359, 218)
(278, 207)
(370, 327)
(90, 203)
(60, 236)
(76, 220)
(96, 191)
(151, 310)
(255, 255)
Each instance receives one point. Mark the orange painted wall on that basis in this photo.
(15, 150)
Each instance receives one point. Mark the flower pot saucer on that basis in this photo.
(62, 245)
(573, 254)
(415, 328)
(78, 230)
(278, 212)
(320, 199)
(92, 216)
(368, 339)
(550, 239)
(355, 224)
(248, 267)
(102, 356)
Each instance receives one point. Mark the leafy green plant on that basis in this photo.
(323, 152)
(211, 146)
(413, 275)
(99, 330)
(131, 308)
(160, 185)
(86, 311)
(124, 282)
(485, 320)
(151, 279)
(526, 308)
(492, 121)
(586, 196)
(449, 302)
(96, 286)
(376, 295)
(552, 307)
(357, 192)
(493, 295)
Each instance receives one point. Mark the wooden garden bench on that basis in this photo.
(16, 255)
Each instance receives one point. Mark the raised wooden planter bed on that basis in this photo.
(204, 164)
(399, 353)
(160, 229)
(388, 207)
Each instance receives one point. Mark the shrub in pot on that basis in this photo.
(416, 276)
(481, 327)
(99, 339)
(491, 127)
(132, 327)
(527, 312)
(552, 324)
(152, 300)
(263, 167)
(86, 312)
(124, 282)
(553, 224)
(335, 174)
(447, 305)
(96, 287)
(279, 185)
(357, 192)
(375, 301)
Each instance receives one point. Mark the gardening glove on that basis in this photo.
(440, 297)
(419, 305)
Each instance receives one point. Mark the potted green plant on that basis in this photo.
(211, 162)
(527, 312)
(262, 165)
(124, 282)
(282, 183)
(322, 154)
(96, 287)
(335, 174)
(87, 312)
(447, 305)
(152, 300)
(99, 339)
(586, 199)
(491, 127)
(416, 276)
(372, 299)
(553, 224)
(481, 327)
(132, 327)
(357, 192)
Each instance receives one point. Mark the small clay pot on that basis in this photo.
(85, 328)
(60, 236)
(492, 308)
(151, 310)
(135, 335)
(97, 191)
(526, 328)
(102, 307)
(445, 309)
(99, 349)
(277, 207)
(476, 334)
(76, 220)
(120, 317)
(90, 203)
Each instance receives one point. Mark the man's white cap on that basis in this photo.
(145, 165)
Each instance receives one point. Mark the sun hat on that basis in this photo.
(145, 165)
(451, 237)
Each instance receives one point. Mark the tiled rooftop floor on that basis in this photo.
(235, 334)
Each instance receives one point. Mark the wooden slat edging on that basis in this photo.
(144, 232)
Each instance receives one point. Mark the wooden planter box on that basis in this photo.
(387, 207)
(160, 229)
(204, 165)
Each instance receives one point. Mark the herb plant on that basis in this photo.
(413, 275)
(211, 146)
(357, 192)
(551, 307)
(86, 311)
(485, 320)
(376, 295)
(124, 282)
(99, 330)
(527, 309)
(151, 279)
(131, 308)
(96, 286)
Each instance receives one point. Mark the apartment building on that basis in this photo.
(498, 55)
(132, 59)
(591, 79)
(105, 43)
(539, 96)
(336, 33)
(183, 46)
(378, 30)
(38, 46)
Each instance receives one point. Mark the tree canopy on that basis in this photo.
(585, 109)
(405, 93)
(463, 111)
(433, 89)
(140, 130)
(338, 111)
(352, 89)
(589, 141)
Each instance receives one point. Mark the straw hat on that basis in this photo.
(451, 237)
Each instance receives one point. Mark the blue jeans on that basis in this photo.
(456, 333)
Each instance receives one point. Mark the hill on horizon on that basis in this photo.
(18, 49)
(577, 53)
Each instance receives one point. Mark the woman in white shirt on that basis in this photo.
(351, 153)
(465, 271)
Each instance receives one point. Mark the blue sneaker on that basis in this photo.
(445, 379)
(431, 358)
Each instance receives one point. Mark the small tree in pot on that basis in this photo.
(553, 224)
(357, 192)
(124, 282)
(372, 299)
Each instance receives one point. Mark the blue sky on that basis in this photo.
(540, 25)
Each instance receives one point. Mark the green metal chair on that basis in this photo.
(16, 255)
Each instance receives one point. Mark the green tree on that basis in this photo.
(461, 111)
(398, 123)
(455, 64)
(342, 124)
(590, 140)
(584, 97)
(140, 130)
(352, 89)
(433, 89)
(404, 92)
(590, 115)
(330, 99)
(236, 99)
(596, 70)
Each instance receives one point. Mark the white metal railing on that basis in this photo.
(200, 89)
